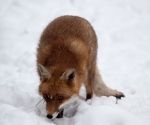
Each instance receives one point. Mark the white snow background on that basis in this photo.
(123, 31)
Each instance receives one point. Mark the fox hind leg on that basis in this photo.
(100, 89)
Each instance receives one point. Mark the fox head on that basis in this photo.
(58, 89)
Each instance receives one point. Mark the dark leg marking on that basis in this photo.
(88, 96)
(119, 96)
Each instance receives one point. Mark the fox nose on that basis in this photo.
(49, 116)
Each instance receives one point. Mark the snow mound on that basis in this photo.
(107, 115)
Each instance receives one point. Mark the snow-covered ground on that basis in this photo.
(123, 30)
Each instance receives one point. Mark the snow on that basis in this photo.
(123, 31)
(107, 117)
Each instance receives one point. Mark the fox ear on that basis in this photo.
(45, 75)
(68, 75)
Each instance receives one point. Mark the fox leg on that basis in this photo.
(89, 81)
(100, 89)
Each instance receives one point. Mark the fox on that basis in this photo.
(66, 60)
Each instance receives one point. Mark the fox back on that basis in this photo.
(67, 49)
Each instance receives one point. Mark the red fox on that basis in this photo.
(66, 59)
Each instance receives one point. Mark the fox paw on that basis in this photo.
(118, 96)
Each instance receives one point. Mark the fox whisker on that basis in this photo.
(39, 102)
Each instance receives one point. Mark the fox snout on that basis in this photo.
(55, 115)
(57, 112)
(52, 109)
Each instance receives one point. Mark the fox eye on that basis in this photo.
(60, 98)
(48, 97)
